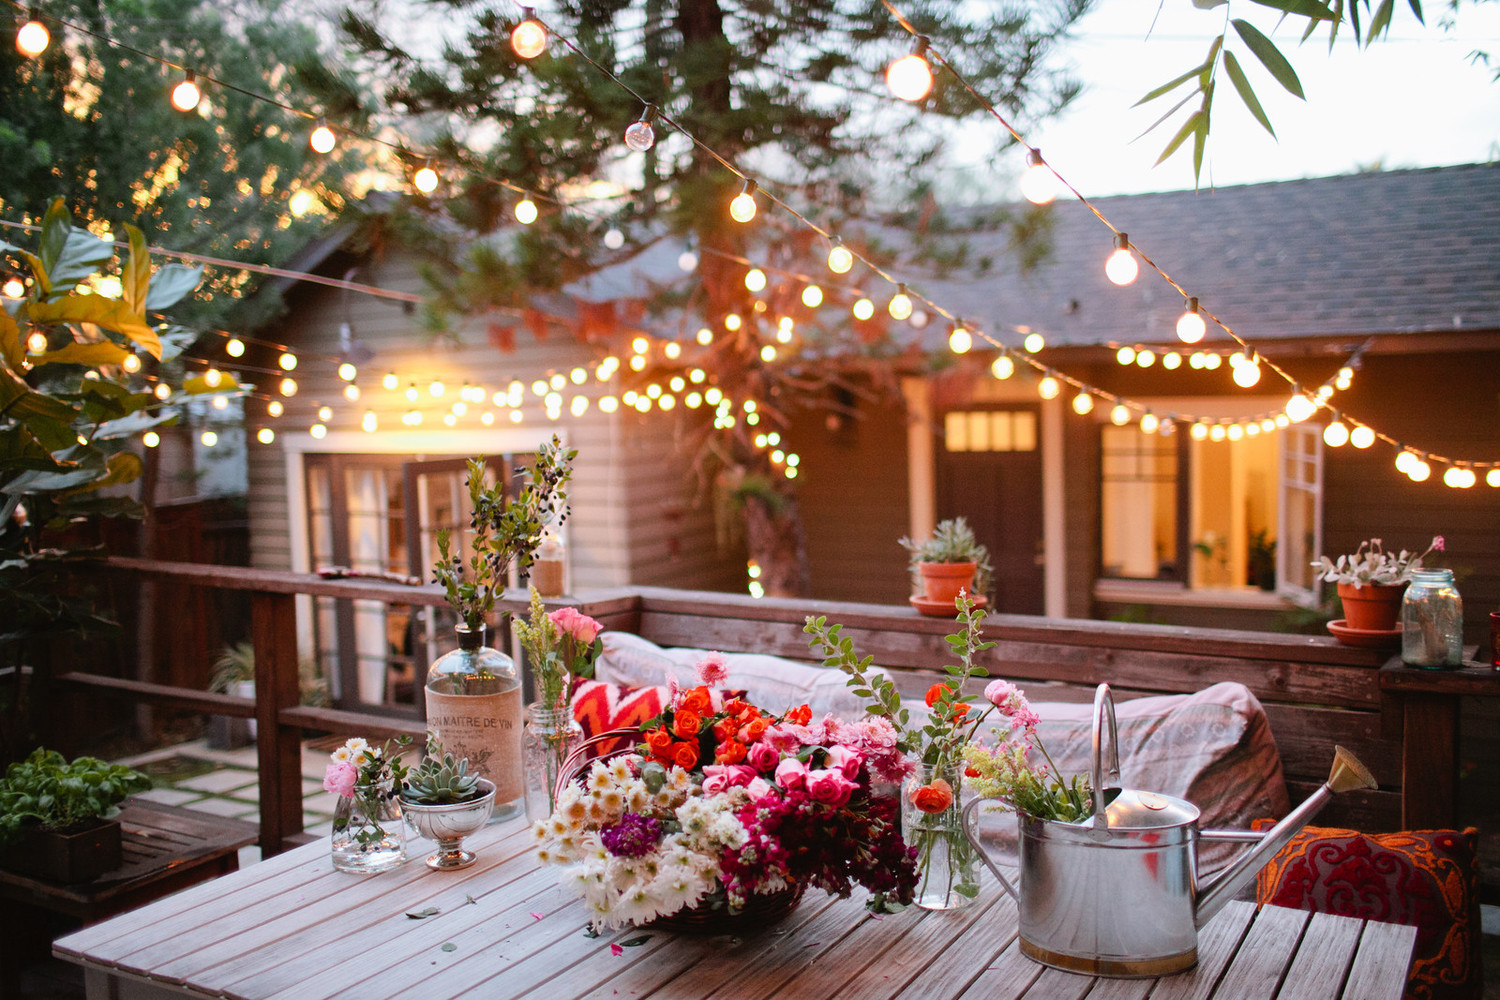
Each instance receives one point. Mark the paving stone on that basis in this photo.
(169, 796)
(219, 782)
(250, 793)
(226, 807)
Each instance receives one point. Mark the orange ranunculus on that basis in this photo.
(960, 708)
(755, 730)
(801, 715)
(935, 692)
(698, 701)
(686, 723)
(933, 798)
(659, 740)
(730, 752)
(685, 756)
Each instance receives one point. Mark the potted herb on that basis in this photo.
(445, 803)
(948, 561)
(57, 818)
(1371, 582)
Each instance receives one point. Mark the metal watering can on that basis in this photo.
(1118, 894)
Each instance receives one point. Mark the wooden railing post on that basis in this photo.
(273, 625)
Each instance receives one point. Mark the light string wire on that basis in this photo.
(404, 151)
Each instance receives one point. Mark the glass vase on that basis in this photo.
(1432, 620)
(551, 735)
(932, 822)
(368, 834)
(473, 697)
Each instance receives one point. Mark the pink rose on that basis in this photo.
(713, 784)
(712, 670)
(726, 776)
(847, 761)
(829, 786)
(791, 774)
(340, 778)
(758, 789)
(763, 756)
(571, 621)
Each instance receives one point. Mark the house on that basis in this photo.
(1394, 275)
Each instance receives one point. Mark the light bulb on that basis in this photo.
(33, 38)
(36, 342)
(287, 361)
(1217, 432)
(1049, 388)
(705, 336)
(1003, 367)
(1420, 472)
(1083, 403)
(351, 392)
(755, 279)
(1171, 361)
(1200, 431)
(526, 211)
(1246, 374)
(733, 322)
(436, 389)
(131, 363)
(960, 340)
(274, 408)
(1038, 184)
(614, 239)
(742, 208)
(389, 381)
(186, 95)
(209, 439)
(1125, 355)
(289, 387)
(235, 348)
(1336, 435)
(1034, 343)
(347, 371)
(1120, 415)
(212, 378)
(1190, 325)
(768, 353)
(1237, 431)
(910, 77)
(369, 422)
(1361, 436)
(812, 296)
(1492, 478)
(150, 439)
(1299, 407)
(529, 39)
(325, 413)
(1121, 267)
(425, 180)
(1149, 423)
(687, 261)
(1212, 362)
(14, 288)
(1145, 358)
(900, 304)
(1455, 477)
(1405, 460)
(863, 308)
(640, 136)
(319, 431)
(322, 139)
(840, 260)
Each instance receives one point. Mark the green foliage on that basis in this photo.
(45, 789)
(440, 779)
(952, 541)
(506, 531)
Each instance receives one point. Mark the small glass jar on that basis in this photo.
(1432, 621)
(932, 822)
(368, 834)
(552, 734)
(473, 697)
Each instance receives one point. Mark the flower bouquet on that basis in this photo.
(368, 834)
(724, 808)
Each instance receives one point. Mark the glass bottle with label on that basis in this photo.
(474, 708)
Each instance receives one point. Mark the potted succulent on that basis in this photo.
(948, 561)
(445, 803)
(1371, 582)
(57, 818)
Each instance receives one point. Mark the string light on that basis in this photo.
(812, 296)
(687, 261)
(1299, 407)
(322, 139)
(1121, 267)
(289, 387)
(1083, 403)
(1171, 361)
(36, 342)
(1362, 436)
(529, 38)
(526, 211)
(1492, 478)
(1247, 372)
(1336, 435)
(235, 347)
(33, 37)
(274, 408)
(1034, 343)
(755, 279)
(209, 439)
(14, 288)
(742, 208)
(1145, 358)
(287, 361)
(960, 340)
(351, 392)
(1190, 325)
(212, 378)
(150, 439)
(1049, 388)
(1420, 472)
(1149, 423)
(900, 304)
(186, 95)
(863, 308)
(1120, 415)
(1459, 477)
(131, 363)
(389, 382)
(639, 135)
(425, 179)
(840, 260)
(1405, 461)
(1126, 355)
(1038, 183)
(910, 77)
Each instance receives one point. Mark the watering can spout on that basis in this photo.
(1347, 775)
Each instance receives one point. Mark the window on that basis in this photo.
(1139, 505)
(990, 430)
(1301, 529)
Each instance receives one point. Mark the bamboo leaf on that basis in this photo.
(1168, 87)
(1381, 21)
(1246, 92)
(1181, 136)
(1200, 140)
(1170, 112)
(1269, 56)
(1416, 8)
(1303, 8)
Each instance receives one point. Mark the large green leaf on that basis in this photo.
(175, 340)
(136, 422)
(1246, 92)
(81, 465)
(103, 352)
(170, 283)
(12, 351)
(111, 314)
(20, 450)
(120, 468)
(56, 225)
(1305, 8)
(1269, 56)
(136, 277)
(82, 256)
(91, 504)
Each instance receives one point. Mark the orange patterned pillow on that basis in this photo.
(1425, 878)
(600, 706)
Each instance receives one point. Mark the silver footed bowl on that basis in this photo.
(449, 825)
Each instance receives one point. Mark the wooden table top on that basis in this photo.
(293, 926)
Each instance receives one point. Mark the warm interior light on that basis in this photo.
(186, 95)
(526, 211)
(840, 260)
(910, 77)
(1038, 184)
(529, 39)
(1121, 267)
(33, 38)
(322, 139)
(742, 208)
(1190, 325)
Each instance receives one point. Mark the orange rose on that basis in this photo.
(659, 740)
(755, 730)
(725, 729)
(731, 752)
(933, 798)
(800, 716)
(698, 701)
(686, 723)
(935, 692)
(685, 756)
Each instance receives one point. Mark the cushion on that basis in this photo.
(1213, 748)
(769, 682)
(600, 706)
(1422, 877)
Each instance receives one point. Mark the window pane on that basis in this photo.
(1023, 436)
(1001, 437)
(979, 432)
(956, 432)
(1139, 506)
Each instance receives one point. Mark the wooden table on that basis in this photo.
(292, 926)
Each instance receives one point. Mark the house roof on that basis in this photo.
(1399, 252)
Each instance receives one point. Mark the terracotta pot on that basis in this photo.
(1373, 607)
(943, 581)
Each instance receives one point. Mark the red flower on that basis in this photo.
(731, 752)
(755, 730)
(933, 798)
(800, 716)
(686, 723)
(698, 701)
(685, 755)
(725, 729)
(935, 692)
(660, 742)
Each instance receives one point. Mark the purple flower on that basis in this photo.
(632, 837)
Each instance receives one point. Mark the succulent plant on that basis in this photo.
(441, 779)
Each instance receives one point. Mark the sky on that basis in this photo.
(1412, 100)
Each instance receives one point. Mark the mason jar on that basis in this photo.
(1432, 621)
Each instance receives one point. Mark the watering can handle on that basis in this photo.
(968, 828)
(1098, 777)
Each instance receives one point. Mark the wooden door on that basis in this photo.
(989, 470)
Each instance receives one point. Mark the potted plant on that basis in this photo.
(948, 561)
(445, 803)
(57, 818)
(1371, 582)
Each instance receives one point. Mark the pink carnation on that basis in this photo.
(571, 621)
(791, 774)
(712, 670)
(340, 778)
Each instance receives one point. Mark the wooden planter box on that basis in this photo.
(79, 856)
